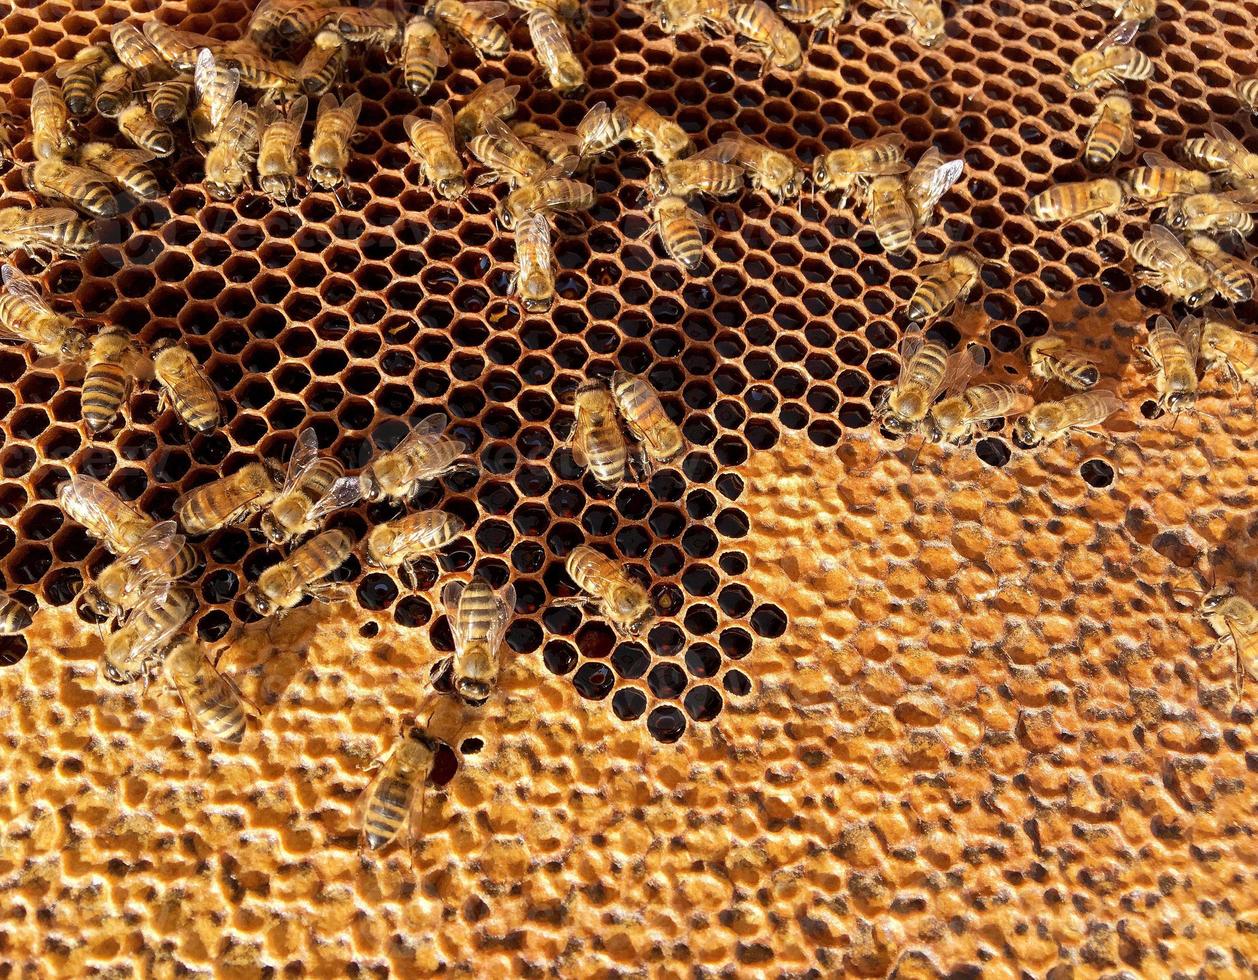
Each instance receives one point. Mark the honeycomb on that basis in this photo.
(934, 721)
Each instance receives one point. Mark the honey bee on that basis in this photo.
(1247, 92)
(50, 123)
(1232, 279)
(1226, 348)
(850, 171)
(309, 478)
(114, 361)
(506, 156)
(178, 48)
(322, 63)
(1049, 421)
(926, 369)
(229, 499)
(54, 231)
(899, 207)
(212, 700)
(596, 441)
(264, 22)
(14, 617)
(372, 27)
(1227, 613)
(277, 148)
(1173, 354)
(1136, 11)
(81, 186)
(423, 54)
(569, 10)
(943, 284)
(139, 54)
(925, 19)
(556, 148)
(424, 455)
(1112, 132)
(329, 150)
(685, 16)
(767, 34)
(1161, 179)
(141, 127)
(114, 90)
(1052, 360)
(768, 169)
(474, 23)
(1172, 268)
(124, 167)
(1211, 212)
(680, 229)
(432, 146)
(186, 386)
(135, 650)
(534, 280)
(170, 100)
(260, 73)
(493, 100)
(161, 552)
(215, 83)
(1112, 61)
(953, 419)
(399, 543)
(646, 418)
(80, 76)
(109, 519)
(824, 16)
(26, 315)
(632, 119)
(299, 21)
(1102, 198)
(300, 575)
(618, 597)
(1222, 153)
(479, 617)
(554, 50)
(548, 193)
(702, 173)
(231, 158)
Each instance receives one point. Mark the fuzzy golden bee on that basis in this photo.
(229, 499)
(45, 231)
(138, 124)
(493, 100)
(230, 161)
(924, 18)
(423, 54)
(1213, 213)
(767, 34)
(688, 16)
(1231, 278)
(433, 147)
(943, 284)
(823, 16)
(1161, 179)
(215, 84)
(548, 193)
(212, 700)
(1048, 422)
(161, 552)
(1112, 61)
(277, 148)
(125, 167)
(680, 228)
(301, 574)
(899, 207)
(178, 48)
(703, 173)
(397, 544)
(84, 187)
(105, 515)
(849, 171)
(1112, 133)
(329, 150)
(926, 370)
(474, 23)
(1223, 154)
(1230, 615)
(26, 315)
(308, 479)
(186, 387)
(135, 650)
(171, 100)
(1103, 198)
(114, 361)
(767, 169)
(113, 91)
(596, 441)
(632, 119)
(426, 454)
(479, 616)
(554, 50)
(80, 76)
(1136, 11)
(1169, 266)
(647, 420)
(50, 123)
(139, 54)
(320, 67)
(953, 419)
(616, 595)
(373, 27)
(1228, 349)
(507, 157)
(1052, 360)
(534, 279)
(1173, 353)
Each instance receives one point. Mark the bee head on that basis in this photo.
(259, 601)
(1180, 401)
(272, 529)
(451, 187)
(1025, 434)
(1214, 599)
(473, 692)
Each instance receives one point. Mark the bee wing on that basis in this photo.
(437, 53)
(1246, 650)
(296, 113)
(487, 8)
(326, 104)
(1124, 33)
(536, 232)
(1015, 402)
(960, 369)
(305, 454)
(1172, 246)
(1230, 145)
(443, 116)
(1108, 400)
(50, 219)
(155, 591)
(1190, 331)
(1160, 160)
(450, 596)
(931, 178)
(23, 288)
(910, 344)
(723, 151)
(504, 601)
(352, 106)
(205, 75)
(426, 429)
(163, 538)
(239, 128)
(344, 492)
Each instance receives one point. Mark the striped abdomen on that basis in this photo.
(190, 391)
(80, 186)
(891, 214)
(104, 388)
(680, 234)
(14, 617)
(212, 700)
(605, 451)
(389, 808)
(170, 101)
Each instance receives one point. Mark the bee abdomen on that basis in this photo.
(103, 390)
(387, 812)
(683, 241)
(14, 617)
(222, 713)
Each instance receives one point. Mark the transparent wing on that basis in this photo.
(910, 344)
(326, 104)
(239, 128)
(305, 455)
(504, 600)
(155, 592)
(1229, 144)
(1174, 249)
(931, 178)
(160, 539)
(437, 53)
(207, 74)
(595, 122)
(1190, 333)
(296, 113)
(1106, 399)
(1124, 33)
(487, 8)
(1007, 400)
(97, 501)
(352, 106)
(343, 493)
(427, 429)
(534, 234)
(1161, 160)
(450, 596)
(23, 288)
(961, 368)
(1246, 650)
(46, 221)
(444, 117)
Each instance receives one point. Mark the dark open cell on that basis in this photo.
(666, 723)
(703, 703)
(594, 681)
(628, 704)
